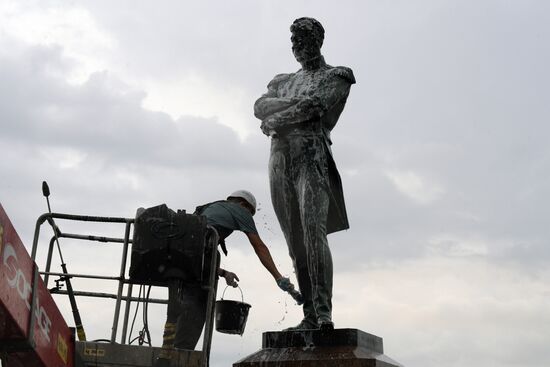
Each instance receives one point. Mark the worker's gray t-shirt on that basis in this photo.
(231, 216)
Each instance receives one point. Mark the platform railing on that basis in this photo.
(120, 279)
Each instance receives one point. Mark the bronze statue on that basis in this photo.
(298, 112)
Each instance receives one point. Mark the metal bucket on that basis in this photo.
(231, 316)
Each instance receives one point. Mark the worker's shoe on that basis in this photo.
(305, 324)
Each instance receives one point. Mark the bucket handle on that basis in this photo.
(242, 297)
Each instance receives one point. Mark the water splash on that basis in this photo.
(284, 314)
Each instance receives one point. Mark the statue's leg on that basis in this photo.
(313, 196)
(284, 200)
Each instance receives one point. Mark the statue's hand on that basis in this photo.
(268, 126)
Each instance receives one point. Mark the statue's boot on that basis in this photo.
(305, 324)
(322, 293)
(310, 317)
(323, 308)
(309, 321)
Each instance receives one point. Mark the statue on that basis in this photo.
(298, 112)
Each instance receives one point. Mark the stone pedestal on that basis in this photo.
(305, 348)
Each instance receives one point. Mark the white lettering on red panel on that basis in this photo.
(16, 280)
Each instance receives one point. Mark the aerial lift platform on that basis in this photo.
(32, 329)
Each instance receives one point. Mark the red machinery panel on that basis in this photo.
(53, 340)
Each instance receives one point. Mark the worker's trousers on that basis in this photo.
(299, 181)
(186, 314)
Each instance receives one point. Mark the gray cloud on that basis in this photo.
(103, 117)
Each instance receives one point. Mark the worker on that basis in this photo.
(186, 312)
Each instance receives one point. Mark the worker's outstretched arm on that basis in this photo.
(264, 255)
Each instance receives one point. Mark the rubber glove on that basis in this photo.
(287, 286)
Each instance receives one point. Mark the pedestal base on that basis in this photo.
(305, 348)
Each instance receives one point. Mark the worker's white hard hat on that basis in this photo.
(247, 196)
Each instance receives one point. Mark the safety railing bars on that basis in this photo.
(212, 241)
(120, 278)
(112, 296)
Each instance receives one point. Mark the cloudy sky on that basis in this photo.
(442, 150)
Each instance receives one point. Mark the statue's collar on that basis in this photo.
(314, 64)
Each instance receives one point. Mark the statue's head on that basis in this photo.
(307, 38)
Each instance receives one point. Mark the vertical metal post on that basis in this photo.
(49, 261)
(39, 222)
(121, 280)
(213, 286)
(126, 314)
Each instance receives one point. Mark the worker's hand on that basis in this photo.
(231, 278)
(285, 284)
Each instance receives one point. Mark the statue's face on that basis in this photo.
(304, 46)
